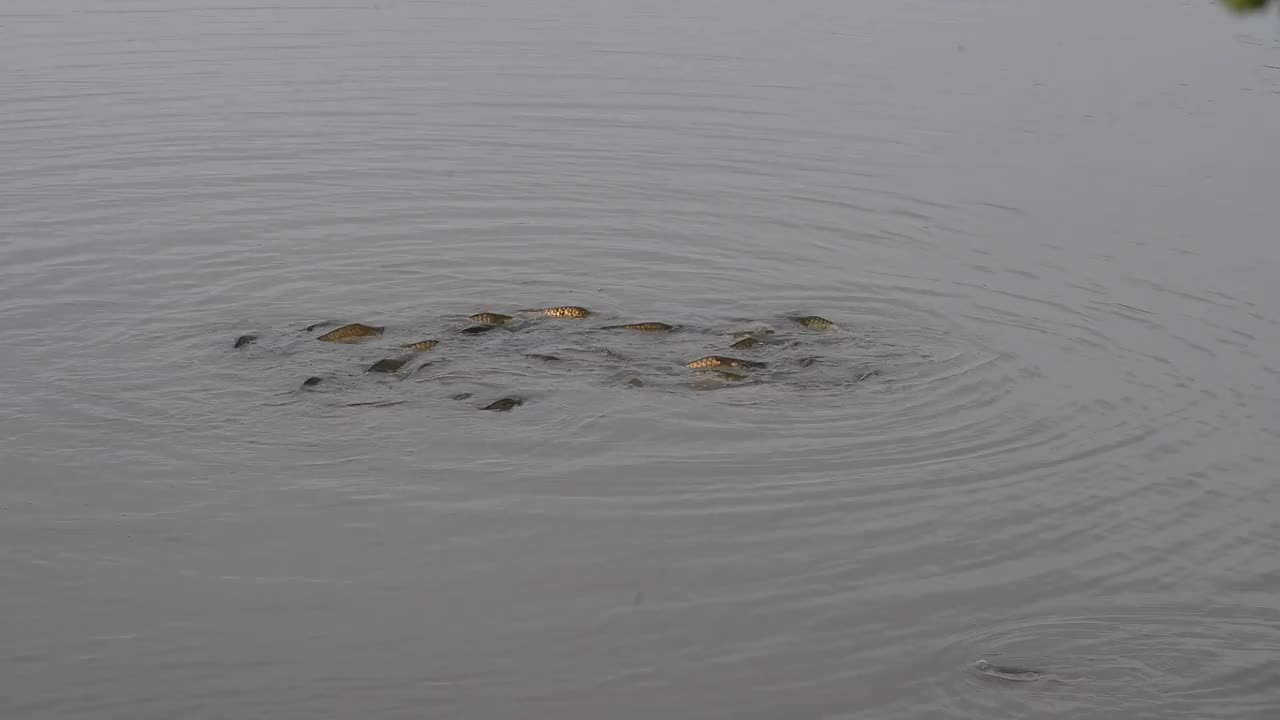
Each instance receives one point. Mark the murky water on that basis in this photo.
(1048, 228)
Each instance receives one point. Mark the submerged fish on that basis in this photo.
(476, 329)
(351, 333)
(377, 403)
(712, 361)
(544, 358)
(1015, 673)
(245, 340)
(565, 311)
(460, 396)
(488, 318)
(421, 346)
(387, 365)
(813, 322)
(312, 381)
(606, 351)
(730, 375)
(503, 404)
(641, 327)
(744, 343)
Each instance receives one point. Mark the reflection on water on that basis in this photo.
(1040, 434)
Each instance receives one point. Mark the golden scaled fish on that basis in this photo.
(641, 327)
(351, 333)
(715, 361)
(565, 311)
(488, 318)
(813, 322)
(421, 346)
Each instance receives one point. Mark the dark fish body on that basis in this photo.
(544, 358)
(461, 396)
(387, 365)
(744, 343)
(351, 333)
(488, 318)
(635, 382)
(421, 346)
(503, 404)
(312, 381)
(730, 375)
(713, 361)
(476, 329)
(245, 340)
(641, 327)
(565, 311)
(806, 361)
(813, 322)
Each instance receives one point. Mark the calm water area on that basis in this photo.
(1044, 432)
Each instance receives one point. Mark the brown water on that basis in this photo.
(1050, 227)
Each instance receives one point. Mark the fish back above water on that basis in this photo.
(565, 311)
(712, 361)
(490, 318)
(641, 327)
(352, 333)
(814, 322)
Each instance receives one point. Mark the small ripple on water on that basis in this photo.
(1143, 660)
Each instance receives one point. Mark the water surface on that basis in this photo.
(1048, 227)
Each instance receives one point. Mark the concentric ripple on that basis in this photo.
(1132, 659)
(1042, 433)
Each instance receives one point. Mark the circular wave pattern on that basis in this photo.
(1020, 444)
(1146, 660)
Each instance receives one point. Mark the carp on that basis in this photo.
(565, 311)
(351, 333)
(387, 365)
(641, 327)
(503, 404)
(813, 322)
(488, 318)
(714, 361)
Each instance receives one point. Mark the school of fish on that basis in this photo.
(725, 367)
